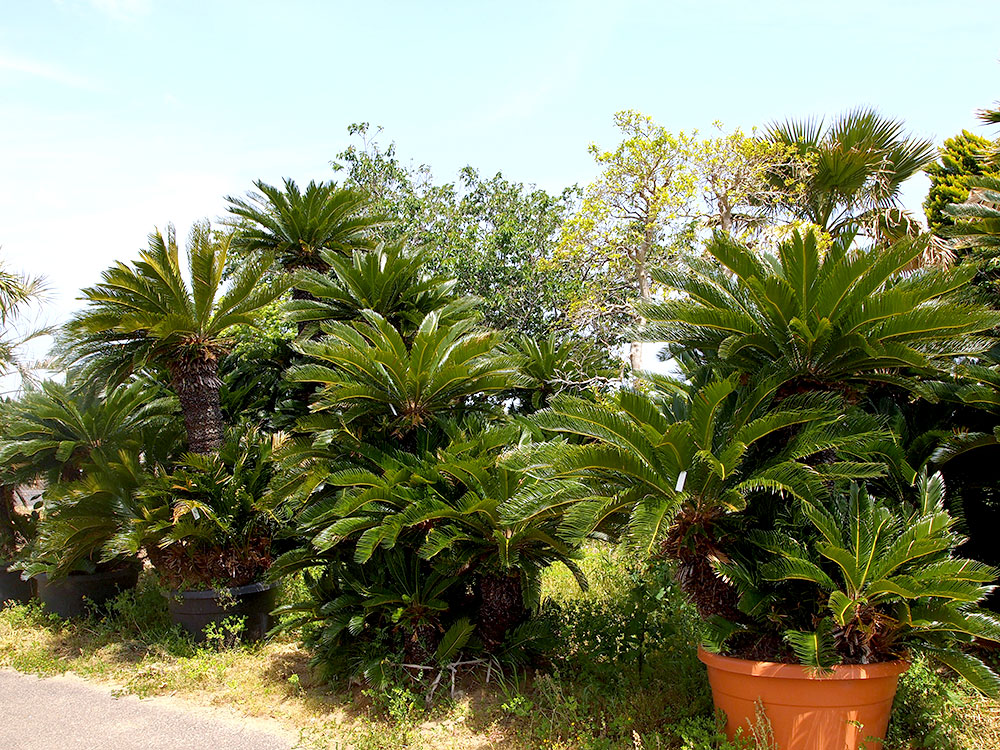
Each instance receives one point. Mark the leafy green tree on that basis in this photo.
(839, 320)
(858, 162)
(633, 217)
(145, 317)
(494, 236)
(962, 157)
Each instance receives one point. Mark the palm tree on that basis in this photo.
(294, 227)
(837, 320)
(557, 363)
(145, 316)
(670, 471)
(858, 164)
(17, 293)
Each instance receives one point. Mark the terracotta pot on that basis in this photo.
(847, 709)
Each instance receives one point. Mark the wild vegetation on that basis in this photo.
(422, 412)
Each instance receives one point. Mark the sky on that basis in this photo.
(118, 116)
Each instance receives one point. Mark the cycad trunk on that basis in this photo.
(196, 383)
(501, 608)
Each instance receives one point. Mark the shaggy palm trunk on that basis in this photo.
(501, 608)
(196, 383)
(697, 578)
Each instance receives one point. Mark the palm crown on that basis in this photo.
(668, 471)
(858, 165)
(295, 226)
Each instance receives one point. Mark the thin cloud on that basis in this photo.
(122, 10)
(48, 72)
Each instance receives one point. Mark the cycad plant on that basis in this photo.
(147, 317)
(202, 521)
(390, 280)
(838, 318)
(675, 473)
(371, 378)
(53, 432)
(91, 450)
(293, 227)
(557, 363)
(881, 580)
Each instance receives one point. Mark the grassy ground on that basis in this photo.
(624, 676)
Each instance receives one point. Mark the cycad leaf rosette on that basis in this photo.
(838, 319)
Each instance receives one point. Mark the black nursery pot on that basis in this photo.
(79, 594)
(196, 610)
(12, 588)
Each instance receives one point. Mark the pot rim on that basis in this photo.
(798, 672)
(125, 569)
(249, 588)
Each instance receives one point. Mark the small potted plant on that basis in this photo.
(209, 538)
(834, 603)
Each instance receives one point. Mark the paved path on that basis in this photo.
(66, 713)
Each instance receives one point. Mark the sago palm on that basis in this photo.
(146, 316)
(368, 373)
(554, 364)
(294, 226)
(837, 319)
(668, 472)
(888, 583)
(54, 431)
(389, 280)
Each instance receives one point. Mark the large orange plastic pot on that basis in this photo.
(847, 709)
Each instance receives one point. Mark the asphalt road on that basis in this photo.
(66, 713)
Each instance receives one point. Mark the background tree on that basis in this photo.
(962, 157)
(494, 236)
(858, 165)
(633, 216)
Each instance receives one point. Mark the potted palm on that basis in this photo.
(833, 607)
(202, 526)
(733, 485)
(175, 321)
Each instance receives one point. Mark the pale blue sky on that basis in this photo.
(118, 115)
